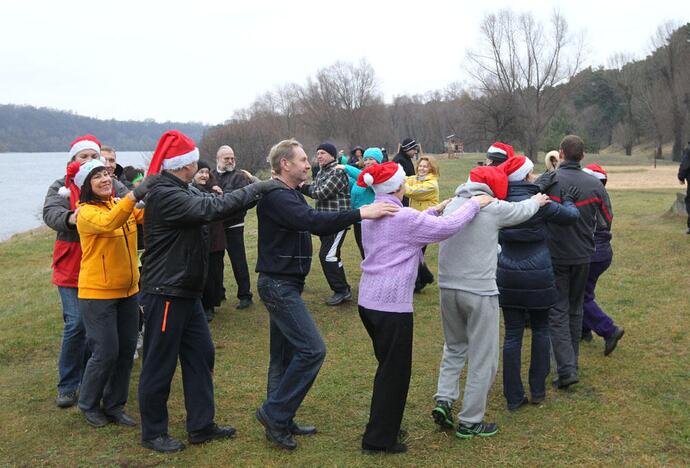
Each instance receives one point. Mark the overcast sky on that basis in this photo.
(201, 60)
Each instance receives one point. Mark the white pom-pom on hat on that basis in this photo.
(64, 192)
(368, 179)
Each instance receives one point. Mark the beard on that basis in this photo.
(226, 167)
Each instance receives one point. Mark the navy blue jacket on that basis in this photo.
(525, 274)
(286, 223)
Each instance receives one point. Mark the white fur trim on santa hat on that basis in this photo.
(84, 145)
(521, 173)
(181, 160)
(391, 185)
(596, 174)
(496, 149)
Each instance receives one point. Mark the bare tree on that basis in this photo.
(626, 76)
(520, 58)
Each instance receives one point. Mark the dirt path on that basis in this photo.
(642, 177)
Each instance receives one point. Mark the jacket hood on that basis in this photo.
(470, 189)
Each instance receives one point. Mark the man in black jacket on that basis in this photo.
(231, 179)
(684, 177)
(297, 350)
(172, 283)
(407, 152)
(571, 248)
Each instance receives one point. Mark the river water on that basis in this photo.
(24, 181)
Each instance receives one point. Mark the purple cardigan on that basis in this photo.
(393, 250)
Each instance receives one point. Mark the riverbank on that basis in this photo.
(631, 408)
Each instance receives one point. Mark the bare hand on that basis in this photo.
(340, 166)
(442, 206)
(541, 199)
(483, 200)
(378, 210)
(247, 173)
(73, 217)
(217, 189)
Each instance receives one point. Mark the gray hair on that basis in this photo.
(283, 150)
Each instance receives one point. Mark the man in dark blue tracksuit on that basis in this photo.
(684, 178)
(571, 249)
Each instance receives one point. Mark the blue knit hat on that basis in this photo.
(374, 153)
(328, 148)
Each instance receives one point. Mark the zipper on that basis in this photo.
(165, 316)
(105, 276)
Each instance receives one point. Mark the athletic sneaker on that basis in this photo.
(482, 429)
(443, 414)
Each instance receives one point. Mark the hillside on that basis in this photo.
(32, 129)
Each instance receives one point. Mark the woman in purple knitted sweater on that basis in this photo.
(393, 250)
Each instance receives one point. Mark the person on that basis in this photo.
(297, 350)
(526, 283)
(108, 286)
(331, 190)
(407, 151)
(60, 214)
(469, 300)
(551, 161)
(684, 178)
(116, 171)
(393, 248)
(571, 249)
(498, 153)
(205, 181)
(360, 196)
(355, 158)
(172, 283)
(593, 317)
(230, 179)
(422, 191)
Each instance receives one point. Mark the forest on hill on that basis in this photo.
(32, 129)
(527, 87)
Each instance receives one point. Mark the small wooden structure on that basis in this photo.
(454, 147)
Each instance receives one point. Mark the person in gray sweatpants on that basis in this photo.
(469, 300)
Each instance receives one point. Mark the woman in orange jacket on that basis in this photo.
(108, 286)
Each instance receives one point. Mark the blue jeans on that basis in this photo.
(514, 320)
(296, 348)
(73, 352)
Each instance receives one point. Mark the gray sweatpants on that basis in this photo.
(470, 328)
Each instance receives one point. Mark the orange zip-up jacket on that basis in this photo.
(108, 237)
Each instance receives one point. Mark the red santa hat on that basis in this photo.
(517, 168)
(494, 177)
(74, 179)
(382, 178)
(500, 152)
(174, 150)
(596, 170)
(84, 142)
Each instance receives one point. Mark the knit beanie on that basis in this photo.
(494, 177)
(382, 178)
(517, 168)
(373, 153)
(500, 152)
(408, 144)
(328, 148)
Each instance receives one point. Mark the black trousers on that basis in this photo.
(687, 202)
(332, 262)
(213, 288)
(424, 275)
(234, 240)
(175, 327)
(391, 335)
(357, 228)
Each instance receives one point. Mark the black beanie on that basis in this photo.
(408, 144)
(328, 148)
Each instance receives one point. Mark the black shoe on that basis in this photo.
(612, 341)
(537, 400)
(397, 448)
(244, 303)
(519, 405)
(121, 419)
(443, 414)
(67, 399)
(212, 432)
(567, 381)
(280, 436)
(297, 430)
(482, 429)
(339, 298)
(164, 444)
(95, 418)
(586, 336)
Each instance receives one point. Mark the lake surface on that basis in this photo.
(24, 181)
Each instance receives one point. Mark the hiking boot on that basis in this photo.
(244, 303)
(121, 419)
(566, 381)
(482, 429)
(95, 418)
(339, 297)
(443, 414)
(164, 444)
(612, 341)
(67, 399)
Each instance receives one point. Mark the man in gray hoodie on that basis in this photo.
(469, 300)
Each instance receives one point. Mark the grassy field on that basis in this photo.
(631, 408)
